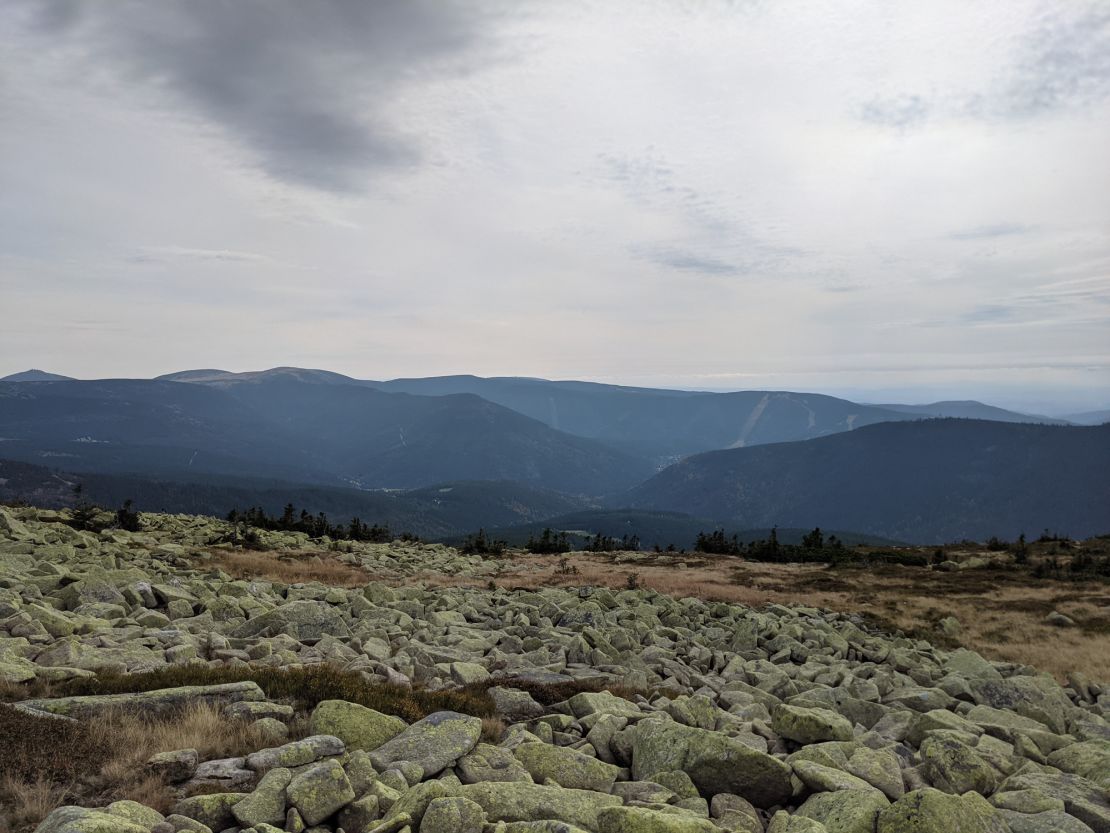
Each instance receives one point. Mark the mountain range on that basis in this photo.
(512, 451)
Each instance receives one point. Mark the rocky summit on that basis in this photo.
(671, 715)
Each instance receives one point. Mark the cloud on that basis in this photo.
(1064, 62)
(688, 261)
(899, 112)
(991, 231)
(306, 88)
(168, 254)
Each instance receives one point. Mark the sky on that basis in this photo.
(889, 201)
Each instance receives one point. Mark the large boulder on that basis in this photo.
(319, 791)
(453, 815)
(566, 767)
(214, 810)
(434, 743)
(845, 811)
(1082, 798)
(715, 762)
(807, 726)
(931, 811)
(645, 820)
(83, 820)
(534, 802)
(266, 805)
(357, 726)
(305, 620)
(160, 702)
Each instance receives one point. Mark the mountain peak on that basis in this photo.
(35, 375)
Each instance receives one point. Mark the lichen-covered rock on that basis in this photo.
(453, 815)
(434, 743)
(783, 822)
(304, 620)
(566, 767)
(491, 763)
(83, 820)
(296, 753)
(809, 725)
(535, 802)
(267, 802)
(357, 726)
(954, 767)
(212, 810)
(1048, 821)
(644, 820)
(931, 811)
(320, 791)
(715, 762)
(845, 811)
(135, 812)
(175, 766)
(160, 702)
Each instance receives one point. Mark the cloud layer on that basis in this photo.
(862, 198)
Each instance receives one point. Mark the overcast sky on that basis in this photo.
(884, 200)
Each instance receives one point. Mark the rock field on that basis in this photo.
(779, 720)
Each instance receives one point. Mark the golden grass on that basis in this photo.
(23, 804)
(288, 568)
(493, 729)
(124, 743)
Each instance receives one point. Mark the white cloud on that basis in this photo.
(772, 194)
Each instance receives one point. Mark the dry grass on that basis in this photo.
(108, 759)
(493, 729)
(287, 568)
(133, 739)
(23, 804)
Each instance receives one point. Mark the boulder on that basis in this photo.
(715, 762)
(305, 620)
(846, 811)
(931, 811)
(267, 803)
(433, 743)
(357, 726)
(534, 802)
(644, 820)
(954, 767)
(807, 726)
(83, 820)
(319, 791)
(566, 767)
(453, 815)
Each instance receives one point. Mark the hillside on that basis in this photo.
(434, 512)
(925, 481)
(285, 428)
(971, 409)
(662, 424)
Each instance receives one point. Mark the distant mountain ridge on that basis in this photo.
(277, 427)
(970, 409)
(433, 512)
(925, 481)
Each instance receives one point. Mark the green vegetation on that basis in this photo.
(314, 526)
(481, 544)
(815, 548)
(548, 543)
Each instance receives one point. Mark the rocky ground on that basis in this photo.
(781, 719)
